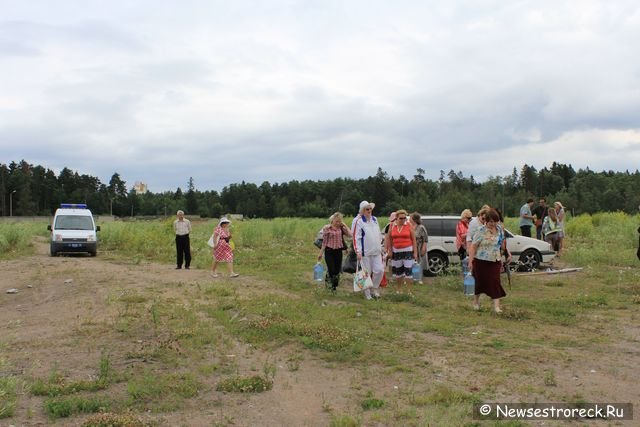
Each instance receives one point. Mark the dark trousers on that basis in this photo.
(183, 250)
(539, 232)
(333, 258)
(525, 230)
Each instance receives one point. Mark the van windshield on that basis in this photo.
(73, 222)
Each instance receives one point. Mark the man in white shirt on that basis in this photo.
(476, 222)
(182, 228)
(367, 243)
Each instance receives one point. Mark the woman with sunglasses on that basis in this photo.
(485, 260)
(401, 244)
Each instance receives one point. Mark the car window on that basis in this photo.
(449, 227)
(434, 226)
(73, 222)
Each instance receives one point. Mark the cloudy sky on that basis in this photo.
(225, 91)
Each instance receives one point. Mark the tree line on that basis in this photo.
(35, 190)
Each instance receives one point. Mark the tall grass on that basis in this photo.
(608, 238)
(16, 237)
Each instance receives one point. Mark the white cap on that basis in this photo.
(224, 219)
(365, 204)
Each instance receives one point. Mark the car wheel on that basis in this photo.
(530, 260)
(93, 253)
(436, 264)
(52, 251)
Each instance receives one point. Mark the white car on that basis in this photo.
(526, 252)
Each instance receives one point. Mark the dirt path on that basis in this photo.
(44, 328)
(41, 330)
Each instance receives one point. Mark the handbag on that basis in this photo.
(210, 242)
(362, 279)
(384, 282)
(349, 264)
(318, 242)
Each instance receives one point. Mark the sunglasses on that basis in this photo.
(367, 209)
(402, 217)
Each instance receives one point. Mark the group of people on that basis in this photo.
(549, 222)
(403, 242)
(482, 241)
(220, 242)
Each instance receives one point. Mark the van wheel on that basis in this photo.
(436, 264)
(93, 253)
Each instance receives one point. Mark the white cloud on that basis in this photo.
(263, 91)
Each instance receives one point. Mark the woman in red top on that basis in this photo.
(401, 244)
(461, 233)
(333, 235)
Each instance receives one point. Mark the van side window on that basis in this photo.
(449, 228)
(434, 227)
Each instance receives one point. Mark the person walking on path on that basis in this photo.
(526, 218)
(401, 244)
(485, 260)
(367, 243)
(182, 228)
(222, 249)
(332, 247)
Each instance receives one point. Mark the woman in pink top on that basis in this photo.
(222, 250)
(461, 233)
(333, 235)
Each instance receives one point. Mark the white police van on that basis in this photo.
(73, 230)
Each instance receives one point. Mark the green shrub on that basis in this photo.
(66, 406)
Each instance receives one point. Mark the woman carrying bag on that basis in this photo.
(332, 246)
(222, 250)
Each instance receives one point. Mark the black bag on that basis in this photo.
(638, 244)
(318, 242)
(350, 262)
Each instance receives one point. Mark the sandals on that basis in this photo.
(234, 275)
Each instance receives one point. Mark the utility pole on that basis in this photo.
(11, 202)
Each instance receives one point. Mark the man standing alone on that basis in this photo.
(182, 228)
(540, 212)
(526, 218)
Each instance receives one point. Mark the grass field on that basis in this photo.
(410, 361)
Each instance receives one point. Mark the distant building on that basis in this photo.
(140, 187)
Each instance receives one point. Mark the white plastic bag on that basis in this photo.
(361, 279)
(210, 242)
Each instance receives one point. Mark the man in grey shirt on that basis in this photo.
(526, 218)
